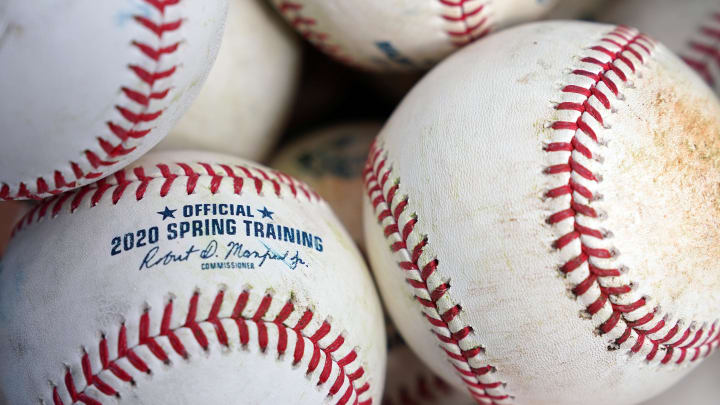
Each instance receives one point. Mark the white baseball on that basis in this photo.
(89, 86)
(331, 161)
(544, 229)
(185, 281)
(400, 34)
(245, 102)
(689, 28)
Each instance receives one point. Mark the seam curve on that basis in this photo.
(252, 329)
(455, 337)
(136, 181)
(627, 319)
(133, 126)
(472, 14)
(305, 25)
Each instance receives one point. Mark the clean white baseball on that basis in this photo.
(555, 216)
(401, 34)
(245, 101)
(89, 86)
(689, 28)
(331, 161)
(188, 281)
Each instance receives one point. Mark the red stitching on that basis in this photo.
(625, 49)
(74, 393)
(132, 128)
(118, 185)
(388, 206)
(705, 49)
(305, 25)
(470, 32)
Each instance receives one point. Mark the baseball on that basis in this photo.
(89, 86)
(331, 161)
(401, 35)
(178, 280)
(544, 228)
(688, 28)
(245, 102)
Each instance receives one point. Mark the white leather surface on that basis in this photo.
(416, 31)
(244, 104)
(466, 146)
(64, 65)
(61, 290)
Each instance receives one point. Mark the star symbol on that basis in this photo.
(266, 213)
(167, 213)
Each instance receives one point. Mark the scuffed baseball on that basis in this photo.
(89, 86)
(688, 28)
(244, 105)
(544, 229)
(401, 35)
(331, 161)
(185, 281)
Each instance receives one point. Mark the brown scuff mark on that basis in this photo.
(690, 143)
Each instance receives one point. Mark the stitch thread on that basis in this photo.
(464, 11)
(247, 321)
(626, 317)
(305, 25)
(118, 185)
(454, 336)
(135, 125)
(704, 50)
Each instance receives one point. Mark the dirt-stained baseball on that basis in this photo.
(331, 161)
(246, 99)
(399, 35)
(89, 86)
(545, 228)
(188, 281)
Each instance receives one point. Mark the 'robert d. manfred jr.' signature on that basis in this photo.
(235, 250)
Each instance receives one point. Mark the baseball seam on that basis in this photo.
(132, 126)
(121, 183)
(430, 289)
(624, 317)
(472, 14)
(305, 25)
(704, 50)
(325, 360)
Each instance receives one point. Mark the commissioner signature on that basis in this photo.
(232, 250)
